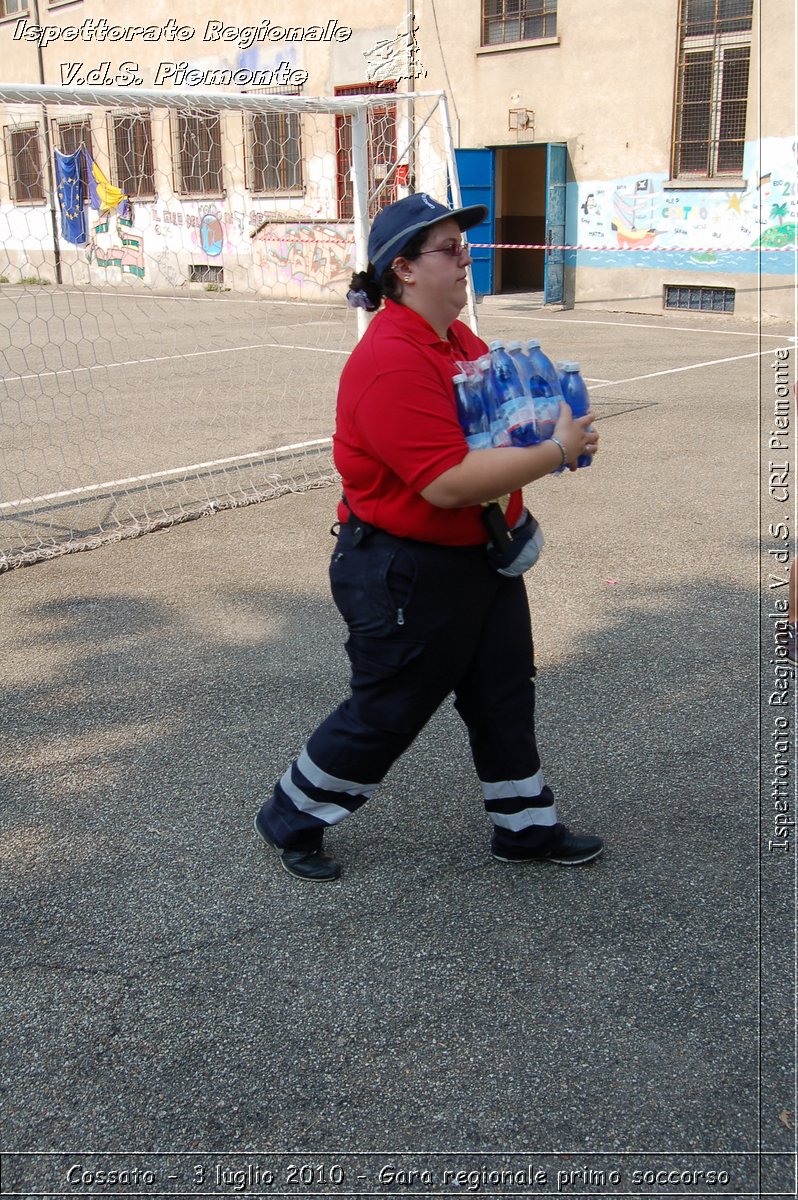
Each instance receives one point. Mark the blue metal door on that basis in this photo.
(476, 170)
(555, 222)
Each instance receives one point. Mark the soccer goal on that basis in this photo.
(173, 273)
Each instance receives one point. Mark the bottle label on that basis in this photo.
(500, 434)
(518, 414)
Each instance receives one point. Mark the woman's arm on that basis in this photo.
(485, 474)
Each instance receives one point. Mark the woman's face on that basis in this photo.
(435, 283)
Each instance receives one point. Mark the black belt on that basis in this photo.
(500, 534)
(360, 529)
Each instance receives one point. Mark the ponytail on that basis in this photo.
(367, 291)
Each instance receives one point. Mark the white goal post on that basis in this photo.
(173, 272)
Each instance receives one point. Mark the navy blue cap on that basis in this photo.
(394, 226)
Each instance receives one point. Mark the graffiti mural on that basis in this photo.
(724, 228)
(211, 229)
(122, 249)
(319, 254)
(211, 235)
(165, 264)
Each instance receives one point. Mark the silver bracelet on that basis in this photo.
(557, 442)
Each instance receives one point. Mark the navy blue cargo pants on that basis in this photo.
(424, 621)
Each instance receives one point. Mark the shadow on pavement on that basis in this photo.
(173, 988)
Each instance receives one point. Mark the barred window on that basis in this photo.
(71, 135)
(712, 87)
(132, 146)
(199, 154)
(24, 164)
(517, 20)
(274, 147)
(381, 151)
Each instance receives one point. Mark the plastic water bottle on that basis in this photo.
(542, 363)
(548, 392)
(472, 414)
(500, 434)
(514, 405)
(529, 382)
(575, 392)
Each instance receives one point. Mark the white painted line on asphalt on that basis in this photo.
(140, 362)
(190, 299)
(639, 325)
(205, 466)
(342, 309)
(713, 362)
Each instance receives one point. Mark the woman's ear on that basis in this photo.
(401, 267)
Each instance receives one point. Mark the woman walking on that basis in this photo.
(428, 612)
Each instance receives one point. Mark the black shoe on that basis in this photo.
(302, 864)
(567, 848)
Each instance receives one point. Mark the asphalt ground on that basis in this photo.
(180, 1005)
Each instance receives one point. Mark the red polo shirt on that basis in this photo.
(397, 428)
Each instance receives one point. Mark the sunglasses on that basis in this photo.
(453, 249)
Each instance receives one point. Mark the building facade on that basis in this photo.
(678, 122)
(651, 144)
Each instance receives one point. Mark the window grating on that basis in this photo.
(199, 153)
(702, 18)
(132, 140)
(517, 20)
(24, 164)
(274, 145)
(381, 151)
(712, 87)
(699, 299)
(71, 135)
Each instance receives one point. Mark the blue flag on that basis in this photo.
(69, 187)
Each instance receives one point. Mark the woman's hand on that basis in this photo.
(576, 434)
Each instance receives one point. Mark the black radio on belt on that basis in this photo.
(496, 526)
(360, 529)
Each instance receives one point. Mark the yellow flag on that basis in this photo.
(102, 193)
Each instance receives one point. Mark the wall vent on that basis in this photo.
(698, 299)
(205, 273)
(521, 118)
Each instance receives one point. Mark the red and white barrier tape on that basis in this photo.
(662, 249)
(305, 234)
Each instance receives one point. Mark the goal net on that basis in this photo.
(173, 273)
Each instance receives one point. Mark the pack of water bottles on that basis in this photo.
(511, 396)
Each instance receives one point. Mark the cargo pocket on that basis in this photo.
(372, 587)
(391, 690)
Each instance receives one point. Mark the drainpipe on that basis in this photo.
(411, 104)
(48, 153)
